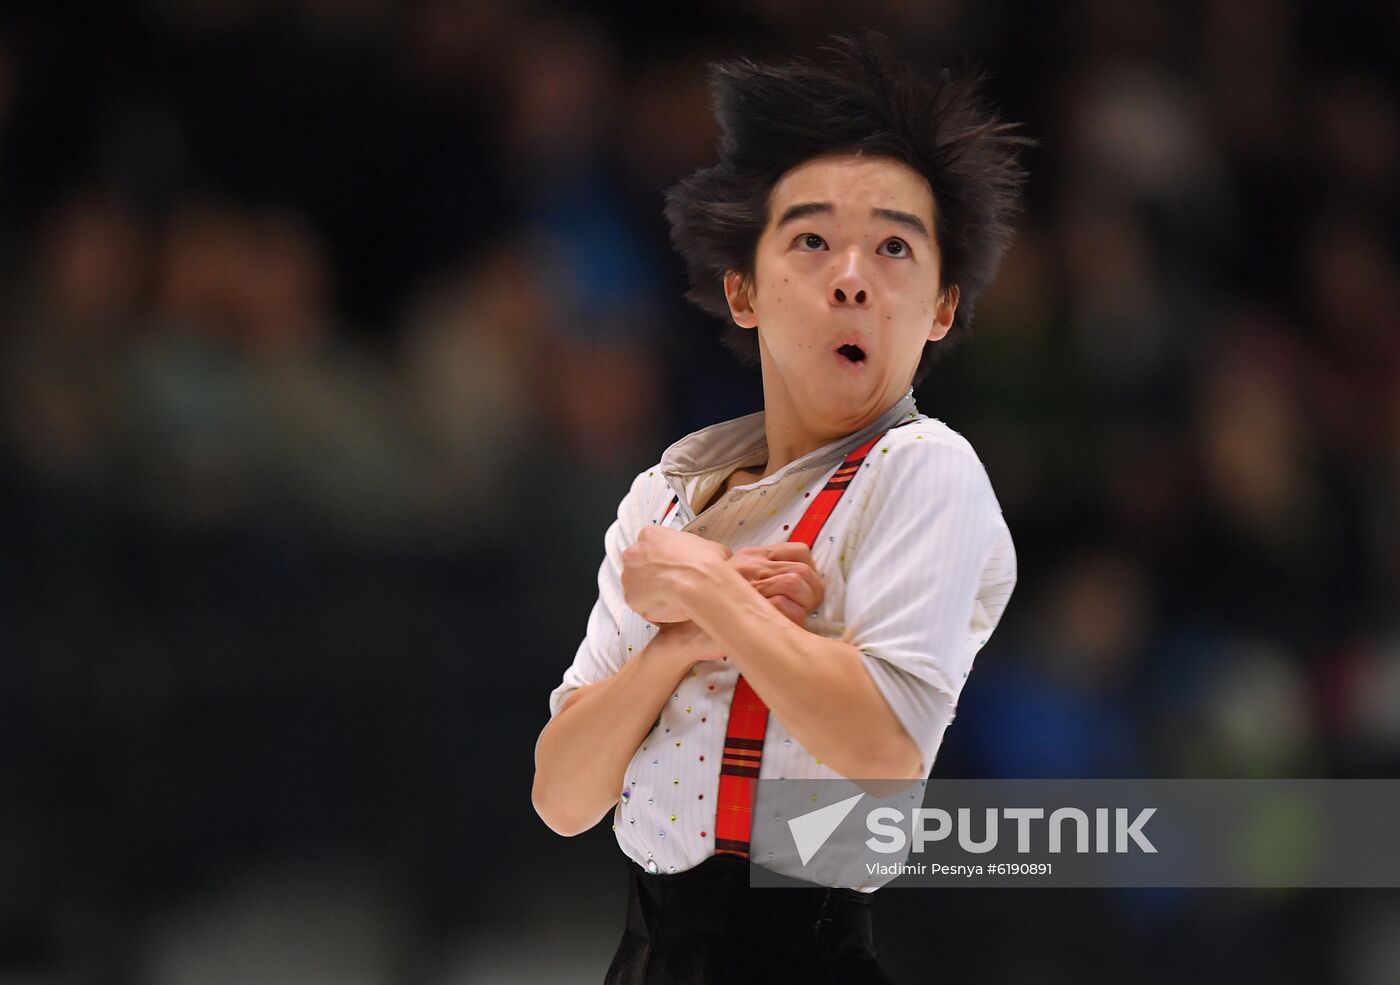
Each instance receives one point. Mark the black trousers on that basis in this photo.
(706, 926)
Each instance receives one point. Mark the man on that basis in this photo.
(854, 217)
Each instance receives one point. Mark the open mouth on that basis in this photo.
(852, 352)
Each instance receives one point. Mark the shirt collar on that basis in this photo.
(697, 462)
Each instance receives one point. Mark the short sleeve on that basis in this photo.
(930, 570)
(601, 653)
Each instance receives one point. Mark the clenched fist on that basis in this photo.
(660, 568)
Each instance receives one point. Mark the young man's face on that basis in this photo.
(846, 291)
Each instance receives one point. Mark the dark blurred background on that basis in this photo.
(332, 331)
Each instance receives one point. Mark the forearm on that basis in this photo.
(582, 754)
(818, 688)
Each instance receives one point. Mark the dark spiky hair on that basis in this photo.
(863, 99)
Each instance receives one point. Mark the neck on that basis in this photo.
(790, 437)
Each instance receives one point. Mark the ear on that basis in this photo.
(943, 313)
(739, 293)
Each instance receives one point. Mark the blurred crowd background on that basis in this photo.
(332, 331)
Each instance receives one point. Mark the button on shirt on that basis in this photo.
(917, 564)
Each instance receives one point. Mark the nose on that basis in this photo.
(850, 286)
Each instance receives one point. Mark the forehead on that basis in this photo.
(854, 183)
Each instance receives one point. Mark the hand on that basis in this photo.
(783, 573)
(661, 566)
(688, 643)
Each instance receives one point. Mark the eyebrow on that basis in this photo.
(804, 209)
(907, 219)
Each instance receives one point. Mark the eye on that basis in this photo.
(896, 247)
(809, 242)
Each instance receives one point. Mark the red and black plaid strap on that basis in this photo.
(748, 715)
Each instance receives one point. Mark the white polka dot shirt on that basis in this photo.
(918, 566)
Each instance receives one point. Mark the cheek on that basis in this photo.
(909, 299)
(922, 304)
(775, 297)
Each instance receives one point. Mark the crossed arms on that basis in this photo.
(748, 606)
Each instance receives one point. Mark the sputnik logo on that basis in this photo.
(811, 830)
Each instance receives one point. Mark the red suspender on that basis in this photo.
(748, 715)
